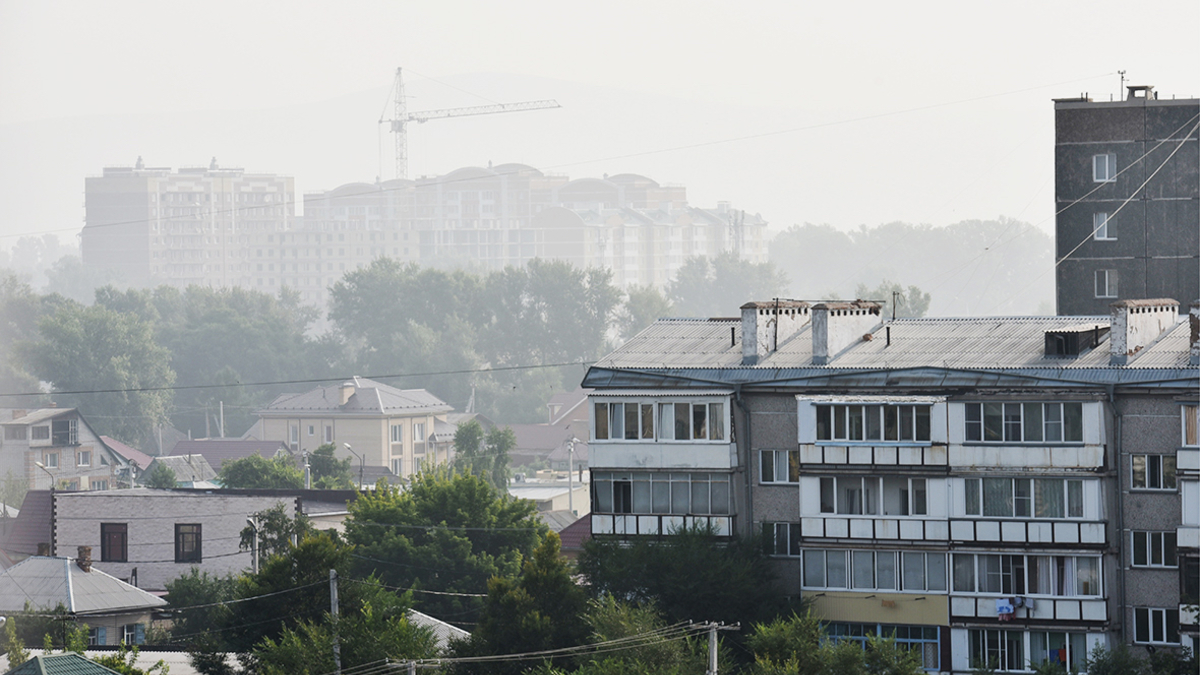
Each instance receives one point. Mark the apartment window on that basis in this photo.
(65, 432)
(1102, 227)
(889, 496)
(187, 543)
(1154, 549)
(14, 433)
(637, 421)
(83, 458)
(920, 639)
(41, 433)
(397, 433)
(293, 433)
(997, 650)
(1104, 168)
(660, 492)
(779, 466)
(114, 542)
(311, 430)
(874, 570)
(97, 485)
(418, 433)
(1068, 650)
(133, 634)
(1024, 422)
(1155, 626)
(781, 539)
(1153, 472)
(1106, 283)
(883, 423)
(1024, 497)
(50, 459)
(1064, 576)
(1191, 421)
(328, 434)
(398, 466)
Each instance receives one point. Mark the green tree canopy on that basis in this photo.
(643, 306)
(484, 454)
(798, 644)
(329, 472)
(160, 476)
(256, 471)
(910, 303)
(448, 532)
(276, 531)
(719, 286)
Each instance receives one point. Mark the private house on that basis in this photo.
(114, 610)
(217, 451)
(383, 425)
(57, 447)
(992, 491)
(189, 470)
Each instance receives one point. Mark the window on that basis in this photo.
(920, 639)
(1024, 422)
(397, 433)
(997, 649)
(328, 434)
(781, 538)
(1024, 497)
(65, 432)
(1102, 227)
(398, 466)
(874, 570)
(97, 484)
(1104, 168)
(855, 422)
(97, 636)
(1191, 421)
(293, 433)
(1155, 626)
(1069, 650)
(14, 433)
(1154, 549)
(50, 459)
(779, 466)
(889, 496)
(660, 492)
(311, 430)
(187, 543)
(1064, 576)
(133, 634)
(637, 421)
(1153, 472)
(1106, 283)
(418, 437)
(41, 433)
(83, 458)
(114, 542)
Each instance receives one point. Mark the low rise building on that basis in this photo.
(56, 447)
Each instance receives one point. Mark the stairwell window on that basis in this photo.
(1155, 549)
(779, 466)
(1104, 168)
(1102, 227)
(1106, 283)
(1153, 472)
(1155, 626)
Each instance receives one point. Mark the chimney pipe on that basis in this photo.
(837, 325)
(765, 325)
(347, 391)
(1136, 324)
(84, 559)
(1194, 320)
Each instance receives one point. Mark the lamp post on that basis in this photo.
(362, 461)
(571, 474)
(43, 468)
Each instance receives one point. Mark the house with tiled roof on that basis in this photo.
(369, 422)
(217, 451)
(57, 447)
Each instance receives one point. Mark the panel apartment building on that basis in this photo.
(1127, 195)
(225, 228)
(997, 491)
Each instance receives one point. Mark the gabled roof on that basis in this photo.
(68, 663)
(40, 415)
(141, 459)
(32, 526)
(574, 535)
(219, 451)
(46, 582)
(369, 398)
(442, 631)
(187, 468)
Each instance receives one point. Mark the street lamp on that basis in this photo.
(43, 468)
(362, 461)
(571, 473)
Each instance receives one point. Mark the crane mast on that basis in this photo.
(401, 117)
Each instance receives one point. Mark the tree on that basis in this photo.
(484, 455)
(690, 575)
(329, 472)
(124, 661)
(206, 594)
(911, 303)
(89, 349)
(20, 309)
(13, 645)
(255, 471)
(541, 609)
(719, 286)
(798, 644)
(275, 531)
(160, 476)
(448, 532)
(643, 305)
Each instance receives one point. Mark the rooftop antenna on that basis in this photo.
(1120, 92)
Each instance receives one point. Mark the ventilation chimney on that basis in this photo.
(18, 413)
(767, 324)
(84, 560)
(43, 550)
(837, 325)
(1194, 320)
(347, 392)
(1137, 323)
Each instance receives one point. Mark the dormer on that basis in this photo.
(1071, 341)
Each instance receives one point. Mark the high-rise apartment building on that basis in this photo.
(198, 226)
(1127, 195)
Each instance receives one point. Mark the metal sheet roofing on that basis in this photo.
(68, 663)
(369, 398)
(46, 582)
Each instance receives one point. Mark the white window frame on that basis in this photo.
(867, 423)
(397, 433)
(672, 488)
(994, 640)
(770, 463)
(1053, 426)
(898, 562)
(782, 539)
(974, 498)
(863, 485)
(979, 566)
(1107, 283)
(83, 458)
(1100, 227)
(50, 459)
(1155, 472)
(1156, 549)
(1151, 625)
(1104, 167)
(609, 417)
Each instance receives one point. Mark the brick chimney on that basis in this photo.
(43, 549)
(1194, 320)
(1137, 323)
(837, 325)
(84, 559)
(766, 324)
(347, 390)
(18, 413)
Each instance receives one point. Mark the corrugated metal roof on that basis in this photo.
(369, 397)
(46, 582)
(442, 631)
(68, 663)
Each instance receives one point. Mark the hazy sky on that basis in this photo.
(845, 113)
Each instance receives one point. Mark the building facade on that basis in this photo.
(1127, 198)
(993, 492)
(56, 447)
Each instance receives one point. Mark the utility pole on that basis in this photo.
(253, 521)
(712, 649)
(333, 612)
(222, 419)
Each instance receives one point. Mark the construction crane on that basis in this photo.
(401, 117)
